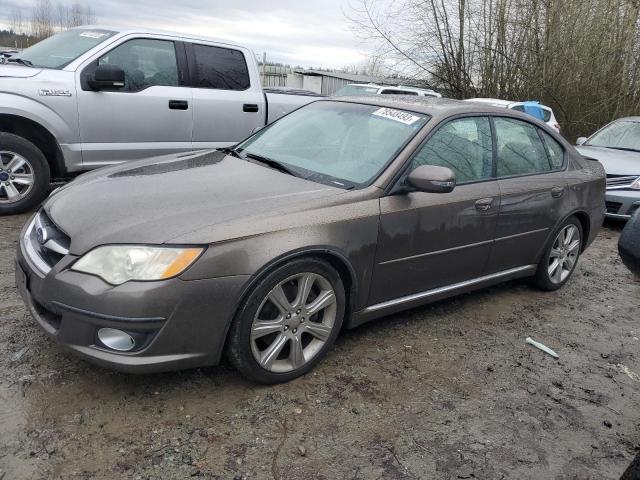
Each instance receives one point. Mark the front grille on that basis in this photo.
(613, 207)
(620, 181)
(44, 243)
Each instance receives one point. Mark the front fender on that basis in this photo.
(61, 122)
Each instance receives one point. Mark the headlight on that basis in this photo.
(118, 264)
(636, 184)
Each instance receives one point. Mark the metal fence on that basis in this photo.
(274, 75)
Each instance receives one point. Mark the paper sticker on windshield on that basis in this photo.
(90, 34)
(397, 115)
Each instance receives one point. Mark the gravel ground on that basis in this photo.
(446, 391)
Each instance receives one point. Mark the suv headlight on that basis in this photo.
(118, 264)
(636, 184)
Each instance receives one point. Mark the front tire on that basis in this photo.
(24, 175)
(561, 256)
(288, 322)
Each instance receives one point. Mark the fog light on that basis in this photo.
(116, 339)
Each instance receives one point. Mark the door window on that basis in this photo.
(146, 62)
(220, 68)
(464, 146)
(519, 149)
(556, 152)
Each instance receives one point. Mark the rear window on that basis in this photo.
(220, 68)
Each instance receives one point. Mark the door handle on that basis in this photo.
(250, 108)
(484, 204)
(178, 105)
(557, 192)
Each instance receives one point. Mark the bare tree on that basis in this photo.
(17, 23)
(42, 19)
(581, 57)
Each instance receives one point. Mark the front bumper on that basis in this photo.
(622, 203)
(180, 324)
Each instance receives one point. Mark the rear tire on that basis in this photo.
(24, 175)
(560, 256)
(288, 322)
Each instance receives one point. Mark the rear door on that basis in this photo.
(429, 240)
(228, 101)
(530, 168)
(151, 115)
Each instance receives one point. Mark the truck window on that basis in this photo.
(146, 62)
(220, 68)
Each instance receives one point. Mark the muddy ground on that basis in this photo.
(446, 391)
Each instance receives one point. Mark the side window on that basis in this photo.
(220, 68)
(146, 63)
(556, 152)
(463, 145)
(519, 148)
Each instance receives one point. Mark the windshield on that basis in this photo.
(61, 49)
(356, 90)
(623, 134)
(341, 144)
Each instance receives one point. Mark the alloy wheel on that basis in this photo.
(564, 254)
(294, 321)
(16, 177)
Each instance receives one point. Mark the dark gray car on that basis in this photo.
(339, 213)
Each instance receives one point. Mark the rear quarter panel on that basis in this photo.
(586, 180)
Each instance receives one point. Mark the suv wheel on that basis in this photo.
(288, 322)
(24, 175)
(561, 256)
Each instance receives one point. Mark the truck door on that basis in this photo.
(228, 102)
(151, 115)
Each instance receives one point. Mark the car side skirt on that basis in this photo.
(421, 298)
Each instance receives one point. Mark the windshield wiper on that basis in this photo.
(625, 149)
(271, 163)
(231, 151)
(19, 60)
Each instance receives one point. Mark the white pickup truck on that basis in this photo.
(95, 96)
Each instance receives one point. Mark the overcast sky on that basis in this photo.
(299, 32)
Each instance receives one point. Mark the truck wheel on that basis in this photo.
(24, 175)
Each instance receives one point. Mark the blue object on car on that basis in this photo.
(534, 109)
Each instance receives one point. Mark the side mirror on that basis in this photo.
(581, 140)
(432, 179)
(106, 77)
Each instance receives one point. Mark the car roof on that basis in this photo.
(124, 30)
(628, 119)
(433, 106)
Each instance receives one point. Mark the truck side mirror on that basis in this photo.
(432, 179)
(106, 77)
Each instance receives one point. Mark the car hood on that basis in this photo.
(615, 162)
(195, 198)
(17, 71)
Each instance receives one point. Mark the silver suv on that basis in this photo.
(94, 96)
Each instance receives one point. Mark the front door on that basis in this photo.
(151, 115)
(533, 188)
(430, 240)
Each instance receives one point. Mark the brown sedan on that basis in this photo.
(339, 213)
